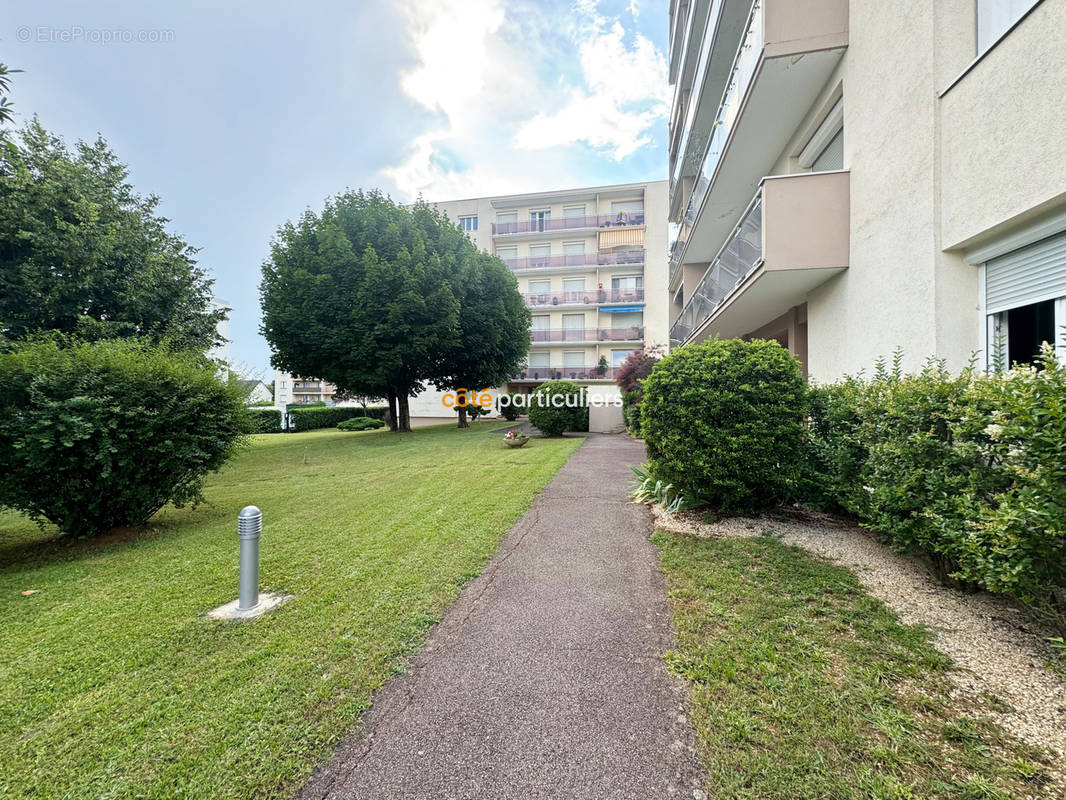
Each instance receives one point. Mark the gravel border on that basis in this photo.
(996, 649)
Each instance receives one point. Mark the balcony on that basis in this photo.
(793, 236)
(584, 261)
(584, 298)
(789, 50)
(620, 220)
(575, 335)
(538, 374)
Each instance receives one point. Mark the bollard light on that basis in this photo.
(249, 528)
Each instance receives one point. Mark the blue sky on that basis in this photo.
(239, 115)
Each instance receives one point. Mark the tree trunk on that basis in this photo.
(391, 413)
(462, 417)
(404, 419)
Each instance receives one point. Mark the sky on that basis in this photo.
(240, 115)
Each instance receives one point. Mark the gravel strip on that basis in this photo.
(996, 649)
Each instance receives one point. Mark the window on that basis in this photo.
(538, 358)
(540, 292)
(618, 356)
(540, 254)
(832, 156)
(627, 212)
(573, 284)
(627, 319)
(995, 18)
(283, 384)
(1025, 300)
(507, 222)
(468, 224)
(574, 253)
(573, 327)
(574, 358)
(507, 253)
(538, 220)
(574, 216)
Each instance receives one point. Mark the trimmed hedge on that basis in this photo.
(314, 417)
(264, 420)
(102, 435)
(969, 469)
(723, 422)
(571, 415)
(360, 424)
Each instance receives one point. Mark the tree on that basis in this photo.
(359, 296)
(494, 321)
(636, 367)
(81, 253)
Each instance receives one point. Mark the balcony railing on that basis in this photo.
(592, 297)
(744, 68)
(739, 256)
(621, 219)
(565, 373)
(634, 255)
(586, 334)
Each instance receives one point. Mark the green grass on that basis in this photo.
(112, 682)
(804, 686)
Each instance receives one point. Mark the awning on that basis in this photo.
(616, 309)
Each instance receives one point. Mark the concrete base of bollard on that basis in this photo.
(268, 601)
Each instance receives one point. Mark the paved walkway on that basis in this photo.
(544, 679)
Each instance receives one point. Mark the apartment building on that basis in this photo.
(591, 265)
(289, 390)
(854, 177)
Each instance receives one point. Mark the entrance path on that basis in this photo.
(544, 680)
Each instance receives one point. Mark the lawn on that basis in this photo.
(112, 682)
(803, 686)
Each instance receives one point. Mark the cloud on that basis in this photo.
(625, 92)
(520, 93)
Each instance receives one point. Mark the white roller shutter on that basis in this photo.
(1028, 275)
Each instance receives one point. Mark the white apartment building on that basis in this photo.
(289, 390)
(852, 177)
(591, 265)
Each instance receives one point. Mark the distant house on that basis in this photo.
(255, 391)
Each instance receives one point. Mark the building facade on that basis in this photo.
(591, 266)
(853, 177)
(289, 390)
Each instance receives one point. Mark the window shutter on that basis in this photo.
(1028, 275)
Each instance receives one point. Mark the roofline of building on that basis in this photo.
(577, 192)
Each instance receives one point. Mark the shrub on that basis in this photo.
(723, 420)
(264, 420)
(361, 424)
(966, 468)
(631, 412)
(509, 411)
(636, 367)
(554, 417)
(312, 418)
(100, 435)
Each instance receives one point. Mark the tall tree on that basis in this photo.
(359, 296)
(81, 253)
(493, 334)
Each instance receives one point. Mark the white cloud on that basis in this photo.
(624, 96)
(505, 120)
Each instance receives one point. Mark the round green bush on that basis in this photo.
(557, 407)
(509, 411)
(723, 421)
(360, 424)
(102, 435)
